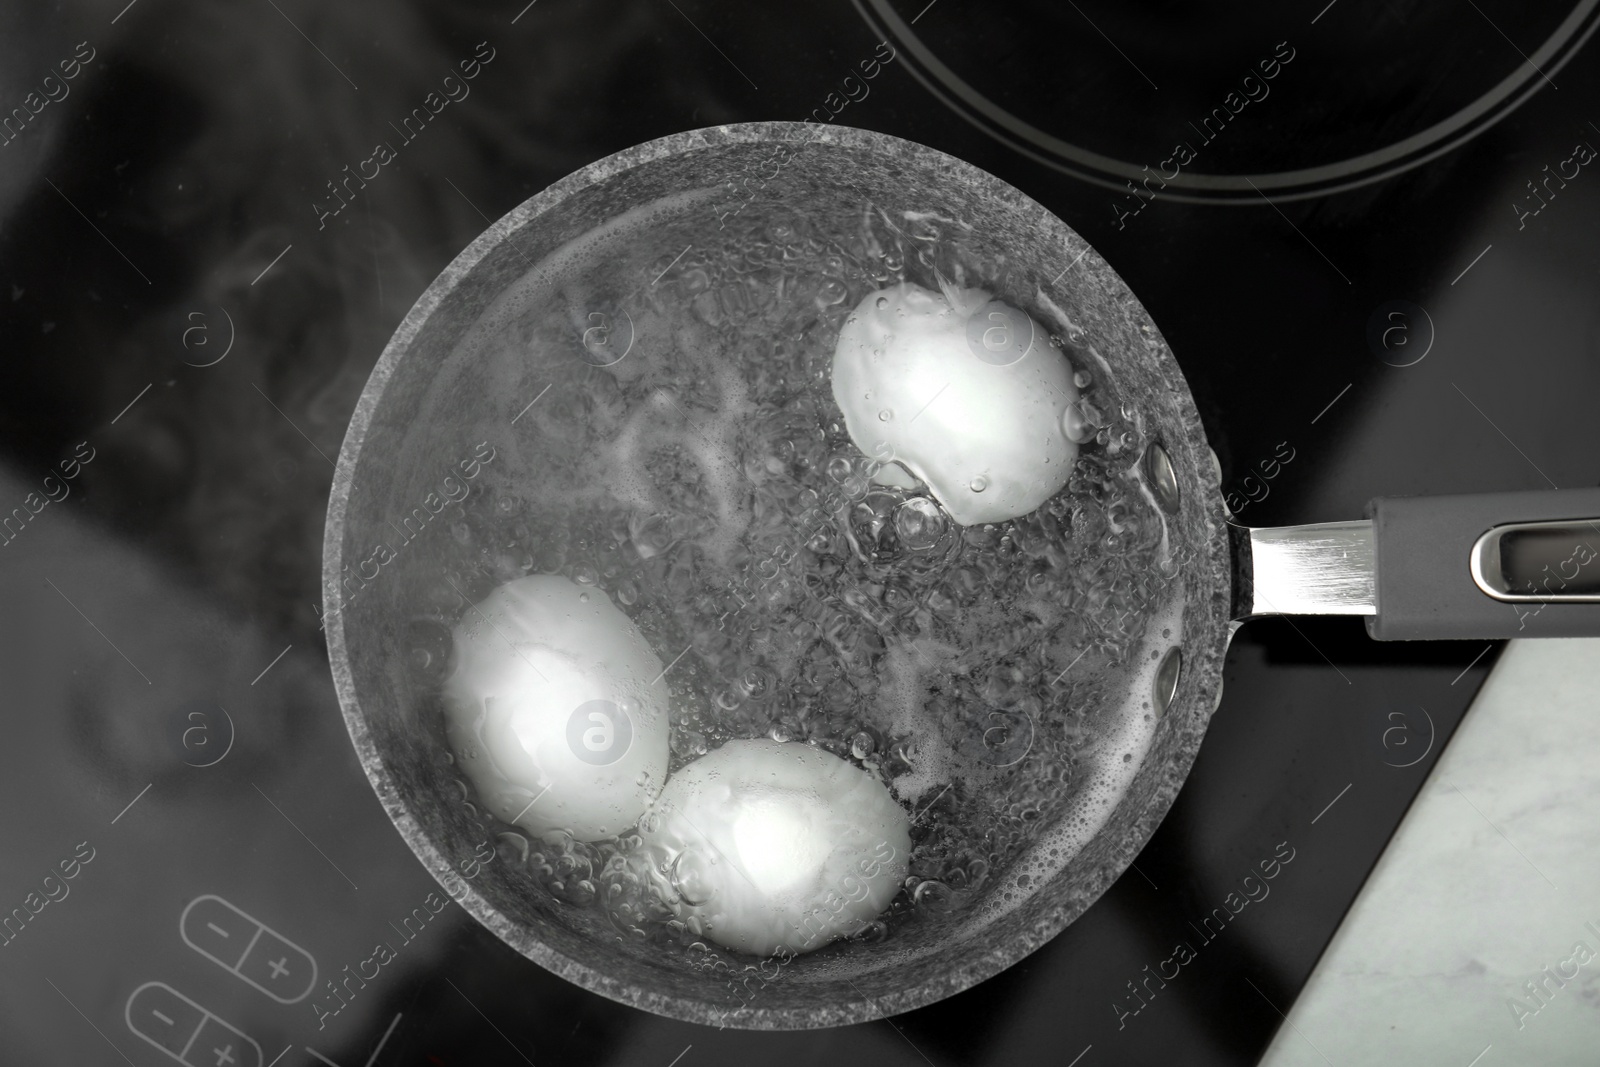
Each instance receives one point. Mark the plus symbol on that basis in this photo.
(278, 968)
(224, 1055)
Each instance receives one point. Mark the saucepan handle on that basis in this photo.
(1487, 565)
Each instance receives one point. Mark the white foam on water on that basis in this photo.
(1131, 731)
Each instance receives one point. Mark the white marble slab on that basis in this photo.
(1493, 876)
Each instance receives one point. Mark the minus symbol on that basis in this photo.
(532, 402)
(671, 665)
(132, 402)
(274, 663)
(1473, 664)
(1069, 266)
(1331, 803)
(392, 1022)
(674, 262)
(219, 930)
(531, 803)
(1071, 665)
(1332, 402)
(131, 803)
(1474, 263)
(274, 262)
(163, 1018)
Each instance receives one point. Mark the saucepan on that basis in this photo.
(674, 388)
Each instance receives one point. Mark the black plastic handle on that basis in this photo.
(1427, 588)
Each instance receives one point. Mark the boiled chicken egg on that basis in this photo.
(557, 708)
(963, 391)
(764, 846)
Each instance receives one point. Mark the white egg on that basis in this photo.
(764, 846)
(558, 709)
(963, 391)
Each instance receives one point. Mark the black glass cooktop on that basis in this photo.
(1366, 228)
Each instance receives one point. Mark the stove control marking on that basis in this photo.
(185, 1031)
(245, 946)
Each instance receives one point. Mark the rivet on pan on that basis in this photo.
(1163, 479)
(1167, 679)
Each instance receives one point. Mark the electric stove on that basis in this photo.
(1365, 228)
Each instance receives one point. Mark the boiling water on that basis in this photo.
(685, 456)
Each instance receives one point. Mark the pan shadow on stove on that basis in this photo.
(1336, 641)
(964, 1029)
(1297, 737)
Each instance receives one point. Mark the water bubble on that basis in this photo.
(919, 523)
(862, 745)
(884, 415)
(1075, 426)
(756, 682)
(978, 484)
(430, 645)
(882, 302)
(690, 875)
(651, 534)
(511, 848)
(688, 743)
(933, 895)
(1082, 379)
